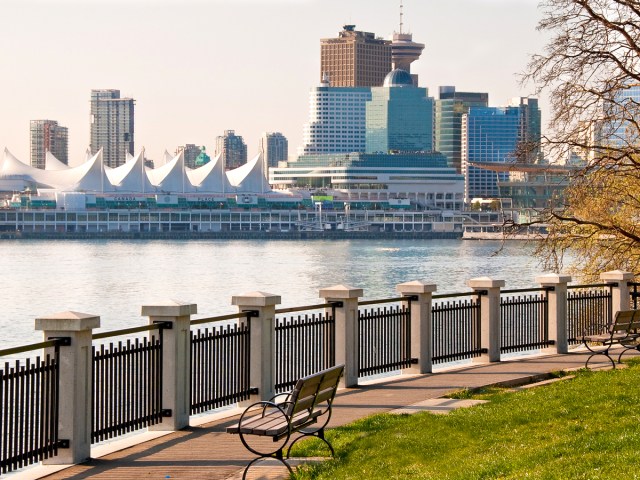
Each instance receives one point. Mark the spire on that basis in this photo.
(401, 16)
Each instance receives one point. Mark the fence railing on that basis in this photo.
(220, 358)
(586, 305)
(384, 335)
(304, 343)
(525, 320)
(634, 294)
(456, 327)
(29, 406)
(127, 382)
(182, 366)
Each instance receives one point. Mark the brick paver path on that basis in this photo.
(206, 452)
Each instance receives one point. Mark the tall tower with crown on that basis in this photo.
(404, 50)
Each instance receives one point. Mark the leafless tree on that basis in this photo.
(590, 69)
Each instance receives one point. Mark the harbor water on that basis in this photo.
(114, 278)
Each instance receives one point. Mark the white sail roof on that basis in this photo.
(210, 178)
(249, 178)
(52, 163)
(130, 177)
(171, 177)
(90, 176)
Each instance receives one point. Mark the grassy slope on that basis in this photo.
(585, 428)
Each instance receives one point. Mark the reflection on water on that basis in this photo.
(114, 278)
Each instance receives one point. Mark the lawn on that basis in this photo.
(583, 428)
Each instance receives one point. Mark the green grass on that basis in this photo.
(584, 428)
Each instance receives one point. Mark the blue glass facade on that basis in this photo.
(399, 119)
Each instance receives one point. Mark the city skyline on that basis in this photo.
(189, 87)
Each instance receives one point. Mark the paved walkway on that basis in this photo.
(206, 452)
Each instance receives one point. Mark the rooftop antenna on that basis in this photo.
(401, 16)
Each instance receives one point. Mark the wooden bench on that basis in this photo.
(305, 410)
(624, 331)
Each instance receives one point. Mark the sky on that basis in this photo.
(199, 67)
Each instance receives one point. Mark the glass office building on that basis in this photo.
(399, 116)
(449, 109)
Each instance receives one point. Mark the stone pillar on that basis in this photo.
(262, 344)
(489, 315)
(176, 361)
(620, 294)
(76, 382)
(421, 323)
(558, 314)
(347, 342)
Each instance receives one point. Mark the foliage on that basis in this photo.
(582, 428)
(590, 69)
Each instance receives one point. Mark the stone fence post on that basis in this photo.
(261, 342)
(176, 361)
(347, 342)
(558, 314)
(76, 382)
(489, 315)
(620, 293)
(421, 323)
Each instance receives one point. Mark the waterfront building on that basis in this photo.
(399, 117)
(232, 149)
(497, 134)
(191, 153)
(449, 109)
(422, 179)
(48, 136)
(354, 59)
(274, 148)
(112, 126)
(337, 120)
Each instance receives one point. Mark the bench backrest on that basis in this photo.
(626, 321)
(314, 390)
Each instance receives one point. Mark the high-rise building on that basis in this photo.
(399, 117)
(112, 126)
(48, 136)
(274, 147)
(449, 109)
(404, 50)
(497, 134)
(191, 153)
(354, 59)
(337, 120)
(232, 148)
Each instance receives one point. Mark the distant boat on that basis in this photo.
(503, 232)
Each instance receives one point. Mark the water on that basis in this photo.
(113, 279)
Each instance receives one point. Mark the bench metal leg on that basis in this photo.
(277, 457)
(315, 433)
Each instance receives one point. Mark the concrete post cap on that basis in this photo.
(553, 279)
(68, 321)
(256, 299)
(617, 276)
(169, 308)
(341, 291)
(485, 282)
(416, 287)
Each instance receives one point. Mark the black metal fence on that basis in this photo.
(304, 343)
(456, 327)
(384, 335)
(29, 406)
(524, 320)
(587, 305)
(634, 294)
(127, 383)
(220, 357)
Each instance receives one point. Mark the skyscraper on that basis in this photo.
(48, 136)
(232, 148)
(274, 147)
(404, 50)
(112, 126)
(191, 153)
(399, 116)
(496, 134)
(337, 120)
(354, 59)
(449, 109)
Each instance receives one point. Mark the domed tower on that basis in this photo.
(404, 50)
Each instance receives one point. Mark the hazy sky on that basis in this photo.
(199, 67)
